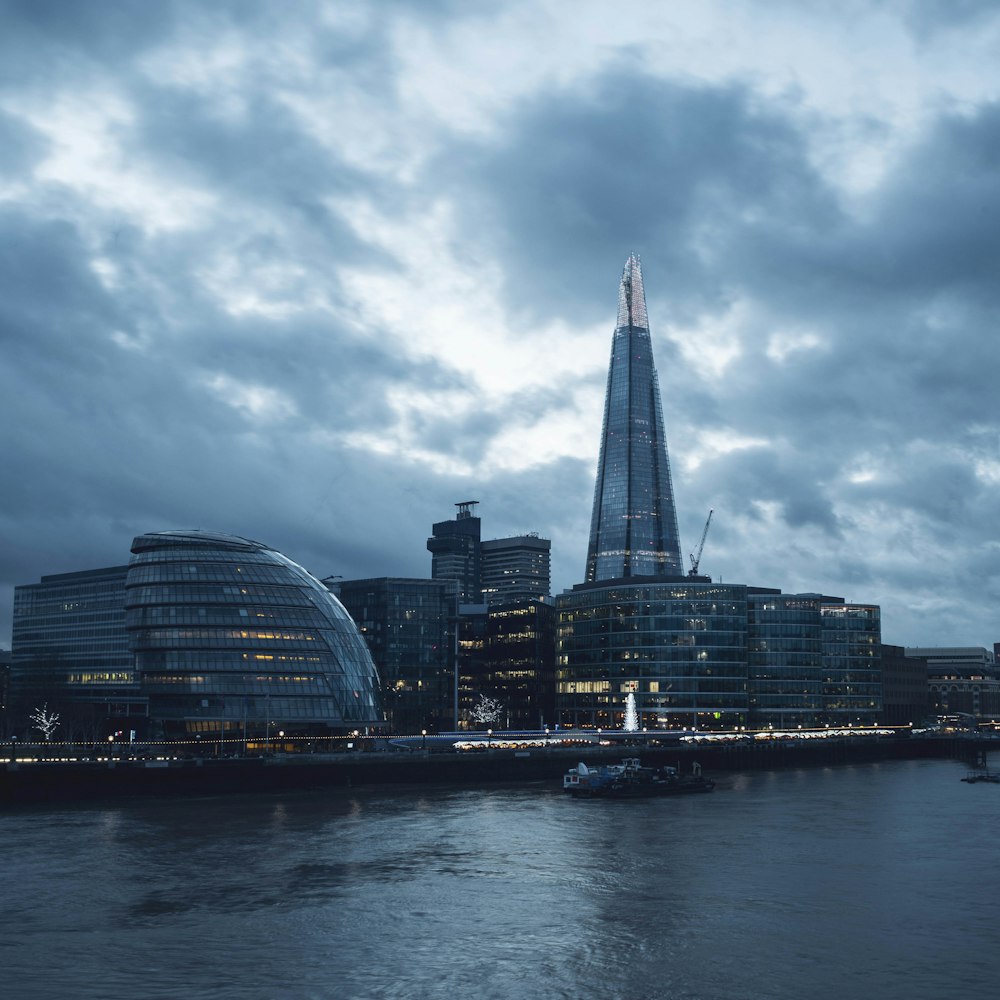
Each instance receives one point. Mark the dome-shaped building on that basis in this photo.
(231, 637)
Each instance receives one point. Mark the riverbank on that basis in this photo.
(127, 777)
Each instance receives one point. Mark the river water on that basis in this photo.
(877, 880)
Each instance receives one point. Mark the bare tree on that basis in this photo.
(45, 721)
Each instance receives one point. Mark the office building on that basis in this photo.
(812, 660)
(905, 693)
(515, 569)
(455, 548)
(408, 625)
(695, 654)
(680, 647)
(70, 652)
(633, 529)
(232, 638)
(518, 662)
(961, 680)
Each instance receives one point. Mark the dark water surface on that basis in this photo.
(869, 881)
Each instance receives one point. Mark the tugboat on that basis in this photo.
(630, 780)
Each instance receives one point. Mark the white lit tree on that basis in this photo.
(631, 724)
(45, 721)
(486, 711)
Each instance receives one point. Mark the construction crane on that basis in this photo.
(696, 556)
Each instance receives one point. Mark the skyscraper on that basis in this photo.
(633, 529)
(456, 552)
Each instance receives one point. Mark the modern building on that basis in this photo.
(679, 646)
(813, 660)
(961, 680)
(455, 548)
(905, 694)
(70, 652)
(516, 569)
(695, 654)
(852, 668)
(633, 529)
(409, 626)
(785, 658)
(518, 662)
(232, 638)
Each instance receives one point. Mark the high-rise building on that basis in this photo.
(70, 652)
(633, 529)
(455, 549)
(518, 662)
(690, 651)
(516, 569)
(409, 628)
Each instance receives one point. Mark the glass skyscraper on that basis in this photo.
(633, 530)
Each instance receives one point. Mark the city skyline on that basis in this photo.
(314, 275)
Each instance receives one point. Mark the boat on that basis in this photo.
(630, 780)
(991, 777)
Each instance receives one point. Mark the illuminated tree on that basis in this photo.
(45, 721)
(486, 711)
(631, 724)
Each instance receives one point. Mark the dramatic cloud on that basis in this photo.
(312, 275)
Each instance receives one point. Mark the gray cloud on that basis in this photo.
(864, 460)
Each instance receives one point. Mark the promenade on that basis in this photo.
(133, 772)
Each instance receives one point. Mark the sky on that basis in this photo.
(312, 273)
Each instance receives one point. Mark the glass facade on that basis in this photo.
(814, 661)
(230, 636)
(785, 654)
(516, 569)
(70, 651)
(679, 646)
(633, 529)
(407, 625)
(518, 662)
(852, 668)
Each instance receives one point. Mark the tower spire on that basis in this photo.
(633, 529)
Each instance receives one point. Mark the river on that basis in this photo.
(878, 880)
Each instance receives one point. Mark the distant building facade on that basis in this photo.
(232, 638)
(961, 680)
(456, 554)
(70, 652)
(408, 625)
(679, 645)
(518, 662)
(905, 692)
(516, 569)
(697, 654)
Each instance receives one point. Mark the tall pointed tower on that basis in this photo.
(633, 530)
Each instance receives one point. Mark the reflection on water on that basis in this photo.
(865, 881)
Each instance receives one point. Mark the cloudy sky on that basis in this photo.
(312, 272)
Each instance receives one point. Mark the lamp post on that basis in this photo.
(423, 743)
(489, 738)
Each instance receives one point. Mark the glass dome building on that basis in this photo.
(231, 637)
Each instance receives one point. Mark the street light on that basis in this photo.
(423, 745)
(489, 738)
